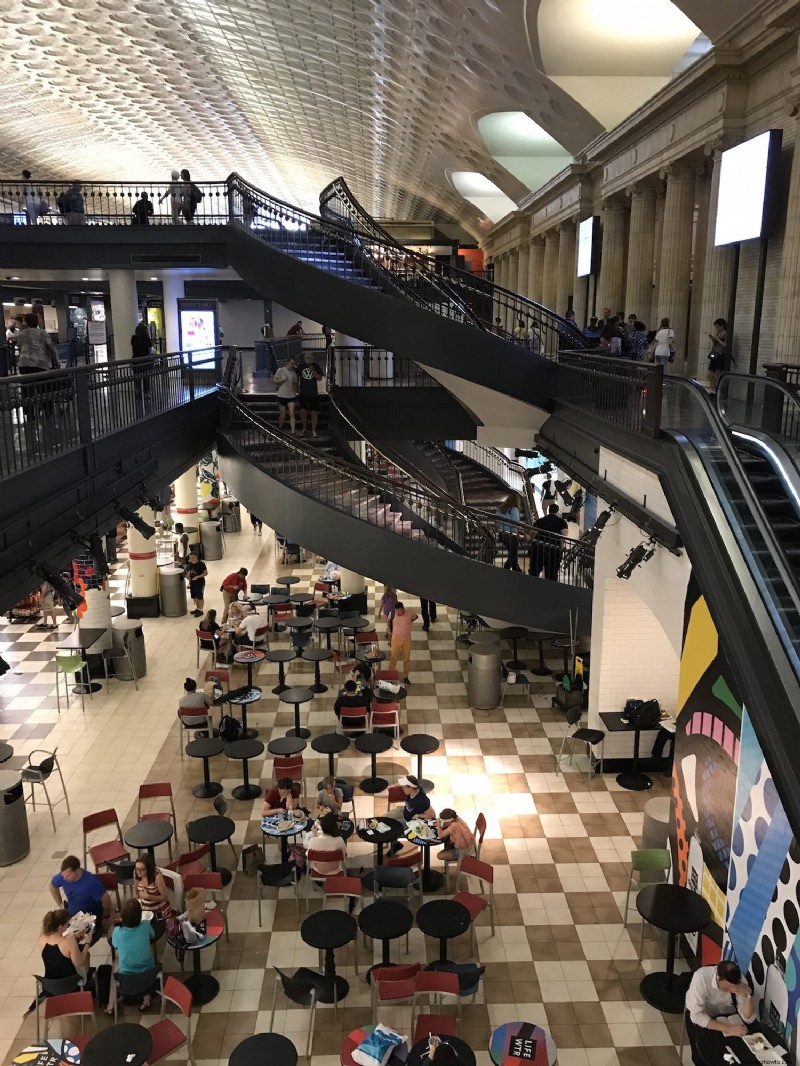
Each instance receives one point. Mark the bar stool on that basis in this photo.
(73, 663)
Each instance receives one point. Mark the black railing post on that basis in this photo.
(654, 392)
(190, 373)
(83, 407)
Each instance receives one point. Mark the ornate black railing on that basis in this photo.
(354, 367)
(621, 391)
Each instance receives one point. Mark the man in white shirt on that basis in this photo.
(718, 999)
(246, 632)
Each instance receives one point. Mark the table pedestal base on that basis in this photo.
(325, 989)
(318, 687)
(246, 792)
(279, 688)
(205, 791)
(249, 734)
(225, 874)
(432, 880)
(654, 989)
(634, 781)
(302, 732)
(203, 986)
(86, 689)
(372, 785)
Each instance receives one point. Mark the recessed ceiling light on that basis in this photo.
(154, 279)
(84, 279)
(15, 277)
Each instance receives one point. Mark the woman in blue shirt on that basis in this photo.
(132, 941)
(508, 533)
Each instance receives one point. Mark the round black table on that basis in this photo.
(351, 626)
(273, 1048)
(565, 645)
(125, 1044)
(286, 746)
(674, 909)
(317, 656)
(252, 695)
(379, 837)
(364, 654)
(443, 918)
(6, 751)
(290, 579)
(515, 633)
(327, 626)
(245, 750)
(269, 828)
(385, 921)
(280, 656)
(206, 748)
(431, 880)
(420, 744)
(301, 597)
(380, 695)
(248, 658)
(331, 744)
(146, 836)
(539, 637)
(327, 930)
(373, 744)
(299, 621)
(418, 1055)
(275, 600)
(212, 830)
(297, 696)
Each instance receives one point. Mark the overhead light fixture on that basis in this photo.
(94, 545)
(84, 279)
(66, 593)
(154, 279)
(136, 521)
(562, 488)
(640, 554)
(590, 537)
(15, 277)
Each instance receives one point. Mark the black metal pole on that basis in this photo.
(759, 304)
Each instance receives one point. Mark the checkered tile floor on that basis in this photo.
(561, 956)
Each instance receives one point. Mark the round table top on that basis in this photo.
(328, 929)
(355, 1039)
(280, 655)
(366, 655)
(419, 744)
(381, 836)
(382, 696)
(673, 908)
(659, 809)
(254, 656)
(522, 1044)
(418, 1055)
(251, 597)
(205, 747)
(290, 579)
(316, 655)
(443, 918)
(301, 597)
(148, 834)
(514, 632)
(6, 751)
(125, 1044)
(116, 612)
(275, 599)
(330, 743)
(286, 746)
(274, 1048)
(298, 621)
(385, 920)
(356, 622)
(9, 779)
(211, 829)
(253, 695)
(373, 742)
(296, 695)
(423, 842)
(244, 749)
(269, 825)
(484, 636)
(41, 1054)
(327, 623)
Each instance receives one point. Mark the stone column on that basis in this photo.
(641, 238)
(651, 318)
(676, 252)
(565, 281)
(173, 290)
(124, 310)
(717, 276)
(696, 361)
(610, 285)
(185, 509)
(142, 556)
(522, 270)
(550, 270)
(787, 325)
(536, 270)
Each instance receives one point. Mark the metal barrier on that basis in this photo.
(355, 366)
(620, 391)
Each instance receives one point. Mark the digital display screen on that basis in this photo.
(585, 247)
(198, 330)
(743, 180)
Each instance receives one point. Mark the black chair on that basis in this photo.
(300, 988)
(124, 871)
(220, 805)
(277, 875)
(589, 737)
(135, 986)
(37, 773)
(48, 986)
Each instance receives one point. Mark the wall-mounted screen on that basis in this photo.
(745, 177)
(585, 247)
(199, 328)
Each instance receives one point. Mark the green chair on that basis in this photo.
(645, 861)
(71, 663)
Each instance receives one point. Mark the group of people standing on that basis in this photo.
(183, 195)
(546, 549)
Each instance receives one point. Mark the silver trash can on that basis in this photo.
(15, 842)
(231, 513)
(133, 628)
(483, 676)
(172, 582)
(211, 539)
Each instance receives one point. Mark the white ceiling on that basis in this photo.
(292, 93)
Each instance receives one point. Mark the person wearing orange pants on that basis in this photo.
(402, 620)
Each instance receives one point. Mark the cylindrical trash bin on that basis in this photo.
(15, 843)
(135, 632)
(211, 539)
(172, 582)
(231, 515)
(483, 677)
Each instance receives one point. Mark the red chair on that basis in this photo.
(353, 720)
(396, 795)
(480, 833)
(384, 974)
(280, 612)
(385, 716)
(109, 850)
(474, 903)
(166, 1035)
(158, 790)
(211, 881)
(367, 636)
(341, 885)
(218, 675)
(72, 1005)
(189, 863)
(193, 720)
(290, 766)
(340, 665)
(205, 642)
(386, 989)
(110, 884)
(322, 858)
(435, 984)
(321, 586)
(386, 675)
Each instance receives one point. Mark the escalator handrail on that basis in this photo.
(787, 391)
(453, 470)
(339, 189)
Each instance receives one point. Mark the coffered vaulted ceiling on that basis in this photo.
(291, 93)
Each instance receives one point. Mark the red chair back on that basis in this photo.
(480, 828)
(177, 992)
(71, 1003)
(386, 675)
(288, 766)
(210, 880)
(322, 857)
(396, 794)
(478, 868)
(339, 885)
(321, 586)
(108, 881)
(395, 973)
(158, 788)
(203, 634)
(437, 982)
(220, 675)
(395, 989)
(354, 713)
(474, 904)
(189, 856)
(102, 818)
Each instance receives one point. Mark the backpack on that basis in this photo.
(195, 194)
(644, 714)
(230, 728)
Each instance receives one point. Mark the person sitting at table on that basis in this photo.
(194, 700)
(83, 891)
(62, 955)
(329, 796)
(238, 611)
(326, 838)
(151, 888)
(245, 635)
(131, 941)
(720, 1000)
(283, 796)
(350, 697)
(457, 833)
(220, 638)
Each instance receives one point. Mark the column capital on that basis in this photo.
(537, 239)
(678, 172)
(713, 147)
(566, 225)
(641, 190)
(614, 204)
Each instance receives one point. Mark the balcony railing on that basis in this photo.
(354, 367)
(621, 391)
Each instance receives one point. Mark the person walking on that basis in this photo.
(30, 200)
(428, 608)
(310, 374)
(256, 524)
(288, 387)
(35, 351)
(508, 512)
(142, 211)
(230, 589)
(546, 550)
(71, 205)
(388, 602)
(716, 357)
(190, 197)
(402, 620)
(175, 194)
(665, 344)
(141, 349)
(638, 340)
(197, 573)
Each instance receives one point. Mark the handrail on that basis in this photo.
(451, 470)
(622, 391)
(766, 403)
(492, 458)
